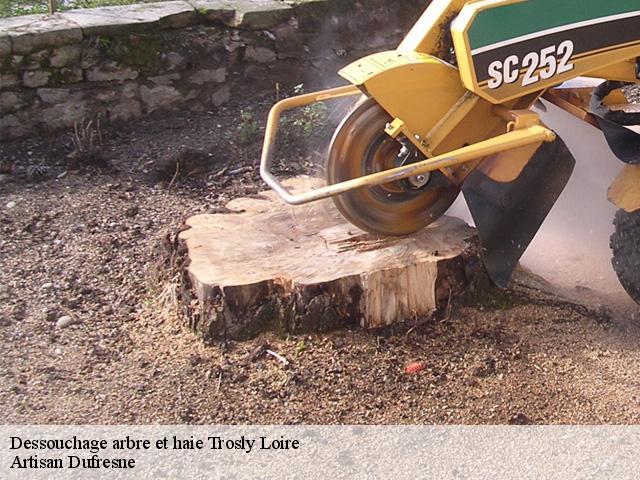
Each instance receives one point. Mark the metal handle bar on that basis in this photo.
(508, 141)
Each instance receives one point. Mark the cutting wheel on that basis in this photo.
(359, 147)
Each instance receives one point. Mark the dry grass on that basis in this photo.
(87, 144)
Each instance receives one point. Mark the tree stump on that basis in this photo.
(268, 266)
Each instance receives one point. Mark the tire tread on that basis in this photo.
(625, 245)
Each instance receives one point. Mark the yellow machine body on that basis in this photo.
(506, 54)
(438, 100)
(454, 102)
(509, 48)
(431, 107)
(417, 88)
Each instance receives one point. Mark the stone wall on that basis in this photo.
(119, 63)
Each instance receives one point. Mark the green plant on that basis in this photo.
(309, 117)
(247, 128)
(12, 8)
(104, 43)
(302, 123)
(101, 3)
(301, 347)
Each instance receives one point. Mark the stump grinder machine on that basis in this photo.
(450, 110)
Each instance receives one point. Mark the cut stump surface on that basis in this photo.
(265, 265)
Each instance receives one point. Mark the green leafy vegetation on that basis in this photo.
(309, 118)
(138, 50)
(301, 124)
(11, 8)
(247, 128)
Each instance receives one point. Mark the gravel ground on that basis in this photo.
(79, 239)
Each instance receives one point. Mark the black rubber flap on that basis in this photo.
(508, 215)
(624, 143)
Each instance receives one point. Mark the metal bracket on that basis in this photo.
(395, 128)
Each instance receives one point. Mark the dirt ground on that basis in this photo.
(78, 239)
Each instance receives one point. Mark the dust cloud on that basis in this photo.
(571, 250)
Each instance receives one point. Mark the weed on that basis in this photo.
(22, 7)
(10, 8)
(247, 128)
(87, 142)
(104, 43)
(309, 117)
(303, 122)
(301, 346)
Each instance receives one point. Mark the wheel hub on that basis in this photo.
(419, 181)
(409, 154)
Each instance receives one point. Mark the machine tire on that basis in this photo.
(625, 245)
